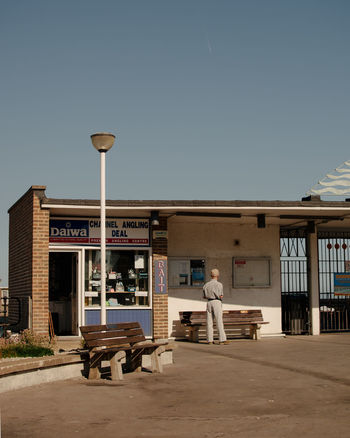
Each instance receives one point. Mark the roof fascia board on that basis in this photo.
(194, 208)
(207, 214)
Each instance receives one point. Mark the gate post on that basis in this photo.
(313, 283)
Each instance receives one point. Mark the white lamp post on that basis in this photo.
(103, 141)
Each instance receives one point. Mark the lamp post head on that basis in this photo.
(102, 141)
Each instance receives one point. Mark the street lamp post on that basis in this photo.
(103, 141)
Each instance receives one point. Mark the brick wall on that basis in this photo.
(160, 301)
(29, 256)
(40, 277)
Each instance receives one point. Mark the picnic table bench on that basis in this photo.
(251, 318)
(117, 343)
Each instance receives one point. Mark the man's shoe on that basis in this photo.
(210, 343)
(224, 343)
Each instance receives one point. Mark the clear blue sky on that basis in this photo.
(209, 99)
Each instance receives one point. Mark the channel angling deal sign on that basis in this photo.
(119, 231)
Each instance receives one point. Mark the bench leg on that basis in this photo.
(94, 366)
(193, 334)
(134, 360)
(94, 373)
(156, 360)
(116, 366)
(255, 332)
(137, 363)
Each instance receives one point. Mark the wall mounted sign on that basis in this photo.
(251, 272)
(160, 234)
(119, 232)
(341, 283)
(160, 276)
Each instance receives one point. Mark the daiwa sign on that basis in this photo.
(119, 232)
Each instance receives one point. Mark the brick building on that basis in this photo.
(272, 255)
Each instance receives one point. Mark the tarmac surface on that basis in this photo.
(292, 387)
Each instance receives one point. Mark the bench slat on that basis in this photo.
(233, 322)
(203, 320)
(92, 328)
(115, 341)
(245, 322)
(225, 312)
(133, 347)
(228, 317)
(112, 334)
(124, 325)
(199, 312)
(114, 326)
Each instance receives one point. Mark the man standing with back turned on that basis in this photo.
(213, 292)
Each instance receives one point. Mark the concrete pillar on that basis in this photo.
(313, 283)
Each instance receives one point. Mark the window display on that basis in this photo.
(127, 279)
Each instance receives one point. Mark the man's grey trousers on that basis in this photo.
(214, 310)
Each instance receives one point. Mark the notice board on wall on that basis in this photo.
(251, 272)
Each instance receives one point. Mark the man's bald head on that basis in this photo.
(214, 273)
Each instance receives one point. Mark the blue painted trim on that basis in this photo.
(143, 316)
(92, 317)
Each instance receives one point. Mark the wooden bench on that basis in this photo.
(231, 318)
(117, 343)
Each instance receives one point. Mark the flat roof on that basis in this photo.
(286, 213)
(197, 203)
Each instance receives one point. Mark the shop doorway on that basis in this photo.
(63, 303)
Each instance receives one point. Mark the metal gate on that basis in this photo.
(294, 282)
(333, 257)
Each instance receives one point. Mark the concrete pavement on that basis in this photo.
(297, 386)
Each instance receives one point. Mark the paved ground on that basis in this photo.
(293, 387)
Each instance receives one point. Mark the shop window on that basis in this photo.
(185, 272)
(127, 279)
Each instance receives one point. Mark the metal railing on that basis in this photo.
(10, 313)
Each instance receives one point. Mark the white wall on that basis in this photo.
(215, 241)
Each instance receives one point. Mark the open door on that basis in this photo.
(63, 293)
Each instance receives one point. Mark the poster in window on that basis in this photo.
(139, 261)
(341, 283)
